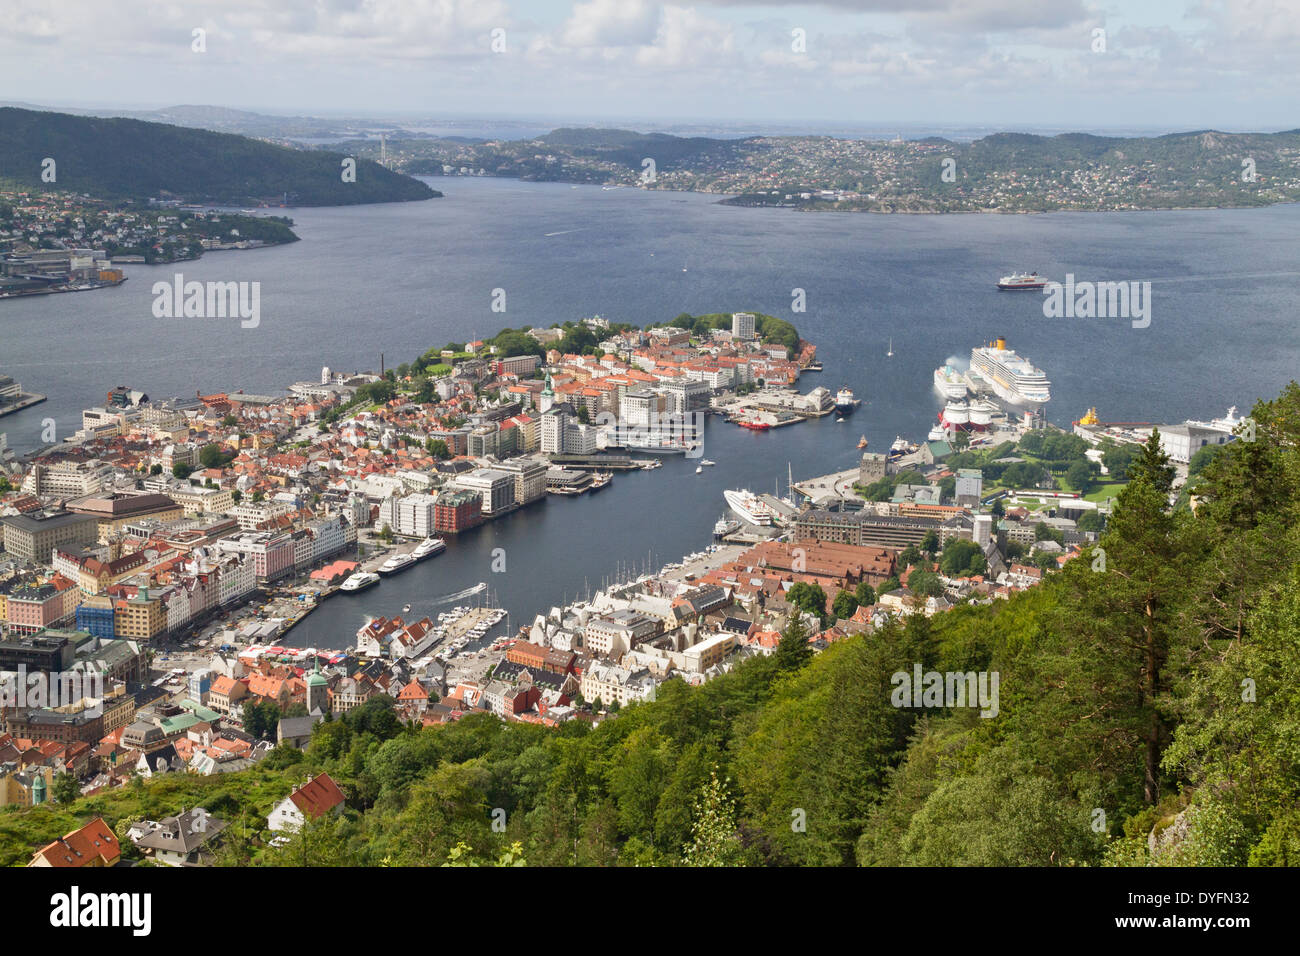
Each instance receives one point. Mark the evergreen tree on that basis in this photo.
(793, 650)
(1153, 465)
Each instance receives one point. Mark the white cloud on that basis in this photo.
(604, 23)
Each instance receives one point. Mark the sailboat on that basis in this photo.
(890, 353)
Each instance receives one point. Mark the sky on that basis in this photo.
(1063, 64)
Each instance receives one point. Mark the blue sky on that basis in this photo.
(1166, 64)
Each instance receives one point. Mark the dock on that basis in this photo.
(25, 400)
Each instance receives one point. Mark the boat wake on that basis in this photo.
(468, 592)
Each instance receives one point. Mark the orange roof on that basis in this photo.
(317, 796)
(94, 841)
(413, 691)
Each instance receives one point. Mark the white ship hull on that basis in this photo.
(428, 548)
(949, 383)
(748, 507)
(396, 564)
(1013, 378)
(360, 581)
(956, 413)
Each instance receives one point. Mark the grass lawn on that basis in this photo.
(1109, 490)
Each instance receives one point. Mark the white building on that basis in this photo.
(742, 326)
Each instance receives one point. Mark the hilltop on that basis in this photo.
(126, 158)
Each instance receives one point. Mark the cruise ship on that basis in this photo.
(360, 581)
(1013, 377)
(1021, 281)
(428, 548)
(398, 562)
(950, 382)
(748, 506)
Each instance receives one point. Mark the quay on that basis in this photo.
(24, 400)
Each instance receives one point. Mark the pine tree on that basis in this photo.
(1153, 465)
(793, 651)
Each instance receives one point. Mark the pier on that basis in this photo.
(24, 400)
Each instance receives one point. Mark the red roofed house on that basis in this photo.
(318, 796)
(92, 845)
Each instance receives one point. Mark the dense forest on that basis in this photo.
(126, 158)
(1149, 708)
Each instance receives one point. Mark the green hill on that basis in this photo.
(125, 158)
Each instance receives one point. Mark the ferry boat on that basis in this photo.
(428, 548)
(755, 425)
(1021, 281)
(360, 581)
(725, 526)
(398, 562)
(1013, 377)
(749, 506)
(949, 382)
(600, 479)
(845, 401)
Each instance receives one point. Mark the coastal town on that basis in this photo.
(155, 563)
(1005, 172)
(61, 242)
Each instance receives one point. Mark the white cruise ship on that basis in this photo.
(749, 507)
(950, 382)
(1013, 377)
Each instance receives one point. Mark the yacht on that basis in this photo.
(360, 581)
(428, 548)
(706, 463)
(398, 562)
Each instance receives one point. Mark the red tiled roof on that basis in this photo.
(82, 847)
(318, 796)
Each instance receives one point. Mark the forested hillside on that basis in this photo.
(1148, 700)
(126, 158)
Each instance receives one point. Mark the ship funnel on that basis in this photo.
(1002, 343)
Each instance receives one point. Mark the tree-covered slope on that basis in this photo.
(125, 158)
